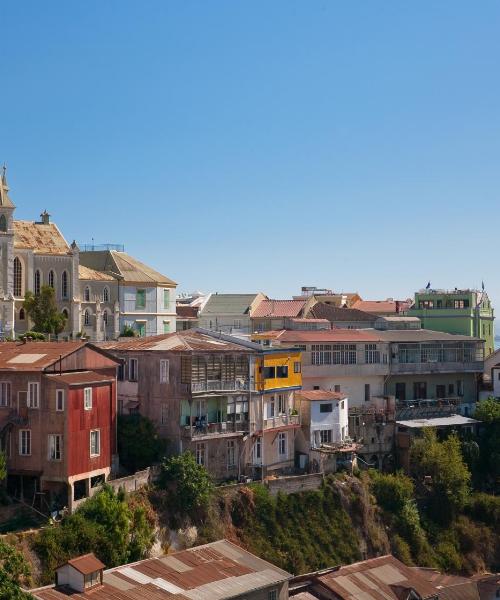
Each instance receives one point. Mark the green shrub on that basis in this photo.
(139, 444)
(392, 491)
(485, 508)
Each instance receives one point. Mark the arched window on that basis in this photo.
(18, 278)
(65, 313)
(86, 294)
(22, 314)
(3, 224)
(64, 284)
(86, 317)
(37, 284)
(105, 317)
(105, 294)
(52, 279)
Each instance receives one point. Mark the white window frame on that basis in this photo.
(5, 391)
(98, 438)
(33, 402)
(87, 398)
(134, 361)
(22, 445)
(60, 393)
(282, 404)
(55, 447)
(282, 442)
(324, 433)
(164, 370)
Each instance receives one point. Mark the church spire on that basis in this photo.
(4, 188)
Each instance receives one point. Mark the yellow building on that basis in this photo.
(277, 376)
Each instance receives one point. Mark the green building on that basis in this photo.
(465, 312)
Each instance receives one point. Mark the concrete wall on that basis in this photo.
(295, 483)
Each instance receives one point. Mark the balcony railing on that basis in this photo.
(281, 421)
(201, 429)
(436, 367)
(229, 385)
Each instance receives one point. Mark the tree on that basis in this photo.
(117, 529)
(188, 483)
(42, 310)
(3, 467)
(392, 491)
(14, 571)
(139, 444)
(449, 485)
(488, 412)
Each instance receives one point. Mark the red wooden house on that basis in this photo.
(57, 420)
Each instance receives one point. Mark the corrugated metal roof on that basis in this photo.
(457, 420)
(33, 356)
(335, 313)
(215, 571)
(320, 395)
(228, 304)
(80, 378)
(88, 563)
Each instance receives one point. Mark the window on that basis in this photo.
(92, 579)
(231, 454)
(59, 400)
(451, 388)
(333, 354)
(132, 369)
(269, 372)
(64, 285)
(140, 299)
(164, 414)
(121, 372)
(166, 326)
(166, 298)
(281, 404)
(326, 408)
(367, 392)
(237, 323)
(426, 304)
(18, 278)
(25, 442)
(86, 294)
(52, 279)
(336, 388)
(105, 294)
(65, 312)
(419, 390)
(440, 391)
(141, 328)
(282, 444)
(105, 318)
(271, 409)
(460, 387)
(257, 449)
(400, 390)
(297, 366)
(37, 283)
(272, 595)
(164, 371)
(461, 303)
(55, 447)
(372, 355)
(22, 314)
(326, 436)
(3, 224)
(201, 454)
(282, 372)
(86, 317)
(5, 393)
(342, 405)
(95, 442)
(33, 395)
(87, 398)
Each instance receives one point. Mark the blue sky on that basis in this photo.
(244, 146)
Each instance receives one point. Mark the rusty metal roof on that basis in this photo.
(212, 572)
(40, 238)
(34, 356)
(321, 395)
(278, 309)
(80, 378)
(88, 563)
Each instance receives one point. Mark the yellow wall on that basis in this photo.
(278, 359)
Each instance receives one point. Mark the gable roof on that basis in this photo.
(121, 263)
(40, 238)
(313, 395)
(88, 274)
(86, 564)
(322, 310)
(382, 306)
(233, 304)
(278, 309)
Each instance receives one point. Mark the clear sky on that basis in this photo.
(262, 145)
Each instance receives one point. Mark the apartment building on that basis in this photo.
(57, 420)
(217, 571)
(466, 312)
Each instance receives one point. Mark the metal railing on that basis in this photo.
(229, 385)
(100, 247)
(203, 429)
(281, 420)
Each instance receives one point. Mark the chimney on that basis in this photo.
(45, 218)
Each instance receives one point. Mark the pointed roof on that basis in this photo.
(4, 188)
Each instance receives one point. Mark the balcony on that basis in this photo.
(409, 368)
(230, 385)
(281, 421)
(201, 429)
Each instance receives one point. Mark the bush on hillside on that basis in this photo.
(139, 444)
